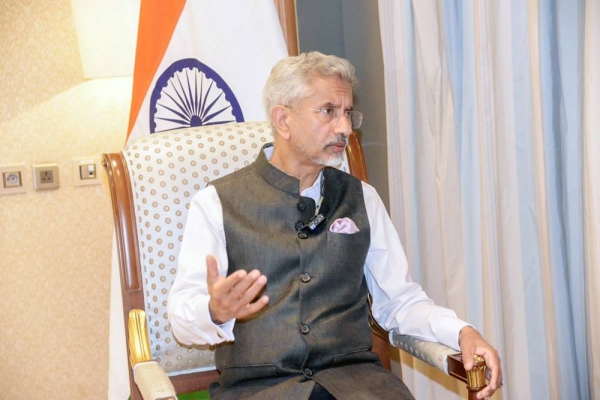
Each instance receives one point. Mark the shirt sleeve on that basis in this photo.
(400, 304)
(188, 310)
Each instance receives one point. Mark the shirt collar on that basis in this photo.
(283, 183)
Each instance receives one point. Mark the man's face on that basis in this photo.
(316, 137)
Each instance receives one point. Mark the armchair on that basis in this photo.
(152, 181)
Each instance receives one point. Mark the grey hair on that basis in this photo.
(290, 78)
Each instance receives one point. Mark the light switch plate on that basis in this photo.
(86, 171)
(14, 179)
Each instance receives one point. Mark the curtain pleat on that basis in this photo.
(591, 190)
(493, 143)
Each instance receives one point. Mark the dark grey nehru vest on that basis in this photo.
(317, 316)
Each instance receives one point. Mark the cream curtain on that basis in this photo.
(494, 163)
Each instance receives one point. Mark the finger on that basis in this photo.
(467, 358)
(496, 379)
(230, 306)
(257, 286)
(224, 286)
(253, 308)
(493, 366)
(486, 393)
(212, 271)
(241, 288)
(493, 372)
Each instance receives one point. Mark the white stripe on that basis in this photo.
(592, 188)
(500, 193)
(542, 200)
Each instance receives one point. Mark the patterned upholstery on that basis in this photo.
(433, 353)
(166, 170)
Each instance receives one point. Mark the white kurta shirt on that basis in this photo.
(398, 303)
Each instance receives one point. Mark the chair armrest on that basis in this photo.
(153, 382)
(151, 379)
(438, 355)
(444, 358)
(434, 354)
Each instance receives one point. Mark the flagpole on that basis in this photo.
(286, 10)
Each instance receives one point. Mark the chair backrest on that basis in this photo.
(152, 182)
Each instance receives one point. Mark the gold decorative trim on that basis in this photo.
(476, 376)
(139, 342)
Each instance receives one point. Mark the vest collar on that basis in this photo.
(275, 177)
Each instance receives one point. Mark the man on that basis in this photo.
(292, 247)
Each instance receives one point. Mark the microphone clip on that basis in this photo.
(315, 222)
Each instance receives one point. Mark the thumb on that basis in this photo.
(467, 358)
(212, 272)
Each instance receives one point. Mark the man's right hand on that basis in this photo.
(232, 296)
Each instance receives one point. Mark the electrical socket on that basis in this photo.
(45, 176)
(14, 179)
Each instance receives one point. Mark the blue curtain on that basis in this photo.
(492, 147)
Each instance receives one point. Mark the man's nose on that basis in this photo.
(343, 125)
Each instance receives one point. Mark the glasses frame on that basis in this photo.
(337, 112)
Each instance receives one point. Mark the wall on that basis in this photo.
(55, 246)
(350, 29)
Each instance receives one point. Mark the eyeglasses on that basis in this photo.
(328, 114)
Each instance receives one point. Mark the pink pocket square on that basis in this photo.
(343, 225)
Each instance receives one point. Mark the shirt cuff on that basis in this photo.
(217, 332)
(448, 331)
(225, 331)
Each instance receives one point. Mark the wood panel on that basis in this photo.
(286, 9)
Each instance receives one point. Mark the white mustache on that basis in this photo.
(337, 141)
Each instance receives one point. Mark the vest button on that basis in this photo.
(299, 225)
(301, 205)
(307, 372)
(303, 235)
(304, 329)
(305, 277)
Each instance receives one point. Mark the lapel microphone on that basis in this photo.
(317, 221)
(314, 224)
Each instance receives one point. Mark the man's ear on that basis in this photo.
(280, 118)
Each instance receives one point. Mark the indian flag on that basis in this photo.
(202, 62)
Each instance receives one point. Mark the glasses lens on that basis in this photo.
(356, 118)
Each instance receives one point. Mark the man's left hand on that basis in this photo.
(472, 343)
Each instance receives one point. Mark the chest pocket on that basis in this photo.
(346, 254)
